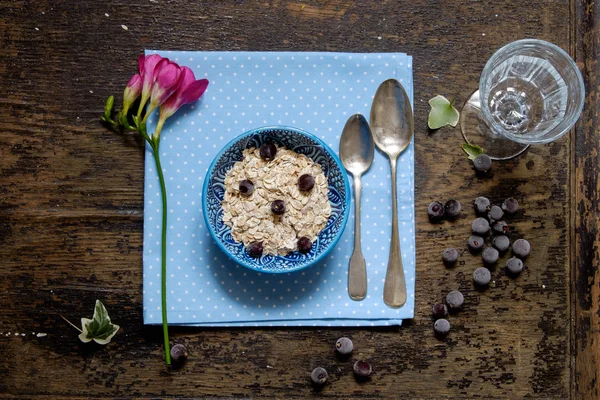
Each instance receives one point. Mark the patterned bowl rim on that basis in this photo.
(260, 130)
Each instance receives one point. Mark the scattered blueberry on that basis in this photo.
(500, 227)
(267, 151)
(362, 368)
(514, 266)
(246, 187)
(521, 248)
(495, 213)
(510, 205)
(344, 346)
(452, 209)
(255, 249)
(178, 353)
(455, 299)
(482, 205)
(435, 211)
(306, 182)
(304, 244)
(482, 276)
(450, 255)
(480, 226)
(278, 207)
(319, 376)
(482, 163)
(490, 255)
(501, 242)
(476, 242)
(441, 327)
(439, 310)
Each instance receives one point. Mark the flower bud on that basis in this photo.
(132, 92)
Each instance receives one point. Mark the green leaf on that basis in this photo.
(472, 150)
(99, 328)
(442, 113)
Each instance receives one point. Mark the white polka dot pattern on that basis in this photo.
(316, 92)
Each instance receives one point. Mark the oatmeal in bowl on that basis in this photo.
(275, 205)
(276, 199)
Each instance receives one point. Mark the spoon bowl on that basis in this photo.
(392, 123)
(356, 145)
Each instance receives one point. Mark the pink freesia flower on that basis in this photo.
(167, 76)
(132, 91)
(147, 66)
(188, 91)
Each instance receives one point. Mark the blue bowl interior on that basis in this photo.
(300, 142)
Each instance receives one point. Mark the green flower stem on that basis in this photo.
(163, 273)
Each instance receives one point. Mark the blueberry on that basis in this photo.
(482, 163)
(267, 151)
(304, 244)
(501, 242)
(344, 346)
(495, 213)
(436, 211)
(450, 255)
(482, 205)
(255, 249)
(362, 369)
(246, 187)
(476, 242)
(482, 276)
(500, 227)
(490, 255)
(452, 209)
(441, 327)
(480, 226)
(514, 266)
(521, 248)
(306, 182)
(278, 207)
(178, 353)
(454, 299)
(319, 376)
(439, 310)
(510, 205)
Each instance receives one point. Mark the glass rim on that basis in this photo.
(580, 82)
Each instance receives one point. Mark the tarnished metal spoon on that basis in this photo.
(356, 153)
(392, 126)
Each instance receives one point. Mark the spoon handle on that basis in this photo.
(357, 272)
(394, 289)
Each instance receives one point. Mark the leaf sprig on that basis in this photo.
(442, 113)
(472, 150)
(99, 329)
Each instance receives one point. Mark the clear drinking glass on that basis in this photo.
(530, 92)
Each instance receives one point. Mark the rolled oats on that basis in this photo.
(250, 218)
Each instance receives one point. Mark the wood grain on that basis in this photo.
(71, 207)
(585, 274)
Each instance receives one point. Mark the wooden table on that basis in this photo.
(71, 208)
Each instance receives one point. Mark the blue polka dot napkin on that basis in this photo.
(316, 92)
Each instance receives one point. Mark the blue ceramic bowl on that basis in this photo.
(301, 142)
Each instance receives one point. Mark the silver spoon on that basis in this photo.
(356, 153)
(392, 126)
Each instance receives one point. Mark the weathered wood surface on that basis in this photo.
(71, 209)
(585, 272)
